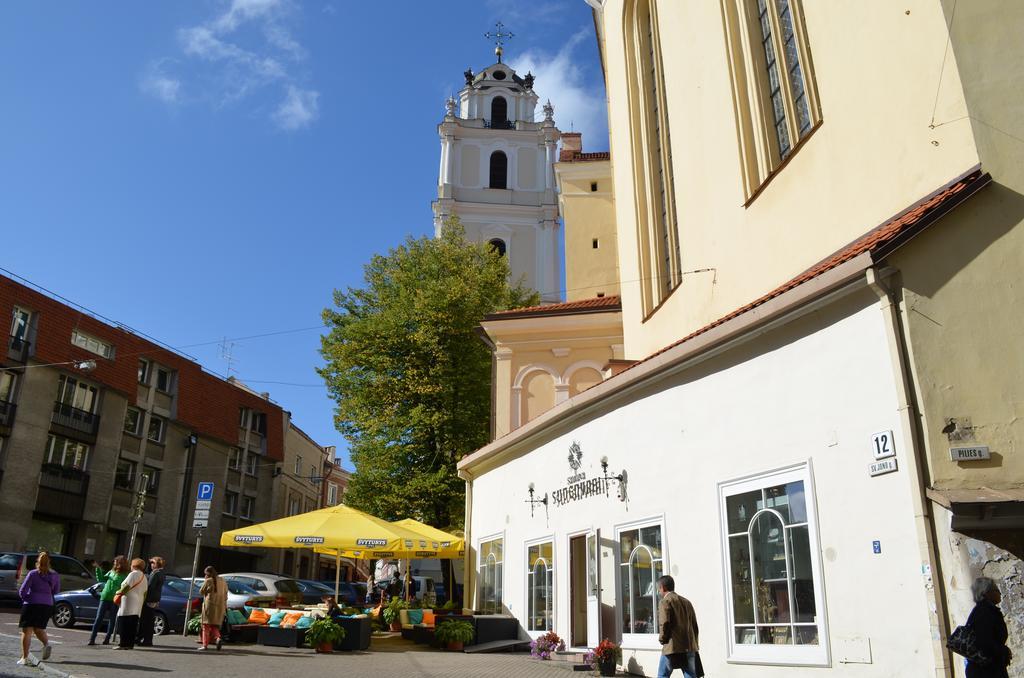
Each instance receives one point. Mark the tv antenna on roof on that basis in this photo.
(226, 355)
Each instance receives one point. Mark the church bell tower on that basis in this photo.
(496, 172)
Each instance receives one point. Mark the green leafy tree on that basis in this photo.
(410, 376)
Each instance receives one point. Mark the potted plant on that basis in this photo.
(323, 634)
(605, 657)
(542, 647)
(455, 634)
(194, 625)
(391, 613)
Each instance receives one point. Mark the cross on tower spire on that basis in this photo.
(499, 36)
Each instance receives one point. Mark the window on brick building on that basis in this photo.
(231, 503)
(133, 421)
(92, 344)
(143, 372)
(164, 380)
(124, 477)
(157, 429)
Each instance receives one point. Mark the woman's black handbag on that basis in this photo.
(964, 643)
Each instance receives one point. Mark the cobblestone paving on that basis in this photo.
(176, 655)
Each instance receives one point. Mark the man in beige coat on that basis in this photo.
(677, 624)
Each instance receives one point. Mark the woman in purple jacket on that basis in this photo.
(37, 592)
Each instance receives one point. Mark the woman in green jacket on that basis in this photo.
(108, 610)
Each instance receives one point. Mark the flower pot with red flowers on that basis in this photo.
(605, 657)
(542, 647)
(454, 633)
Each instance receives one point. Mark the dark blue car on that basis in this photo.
(79, 607)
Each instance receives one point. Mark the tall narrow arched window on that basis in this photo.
(491, 578)
(652, 156)
(499, 170)
(640, 563)
(539, 588)
(499, 112)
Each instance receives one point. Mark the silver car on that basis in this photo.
(14, 567)
(284, 590)
(239, 594)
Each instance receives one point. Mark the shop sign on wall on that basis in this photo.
(578, 486)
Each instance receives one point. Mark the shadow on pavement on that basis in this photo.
(111, 665)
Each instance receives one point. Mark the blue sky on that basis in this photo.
(201, 170)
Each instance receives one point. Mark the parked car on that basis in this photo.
(285, 591)
(240, 594)
(79, 606)
(313, 591)
(15, 566)
(352, 593)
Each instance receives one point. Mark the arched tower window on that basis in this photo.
(499, 112)
(499, 170)
(497, 245)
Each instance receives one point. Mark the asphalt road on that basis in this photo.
(177, 655)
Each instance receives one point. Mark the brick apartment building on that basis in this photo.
(90, 412)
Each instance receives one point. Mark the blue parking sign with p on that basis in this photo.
(205, 491)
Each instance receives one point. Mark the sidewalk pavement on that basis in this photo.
(174, 654)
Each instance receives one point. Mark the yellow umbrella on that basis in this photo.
(448, 545)
(328, 530)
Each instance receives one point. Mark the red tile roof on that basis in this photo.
(879, 241)
(607, 304)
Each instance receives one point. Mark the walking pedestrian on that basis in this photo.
(215, 607)
(130, 598)
(677, 632)
(990, 632)
(155, 582)
(37, 592)
(107, 611)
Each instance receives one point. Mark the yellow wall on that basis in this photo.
(588, 215)
(542, 361)
(873, 155)
(963, 303)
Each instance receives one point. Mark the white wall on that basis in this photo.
(816, 391)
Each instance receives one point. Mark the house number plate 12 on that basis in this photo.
(882, 445)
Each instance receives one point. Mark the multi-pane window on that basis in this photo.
(143, 373)
(163, 380)
(656, 217)
(259, 423)
(539, 587)
(251, 460)
(153, 479)
(332, 494)
(234, 458)
(92, 344)
(157, 429)
(124, 477)
(298, 465)
(774, 583)
(248, 507)
(312, 474)
(231, 503)
(68, 453)
(783, 65)
(19, 326)
(133, 421)
(243, 417)
(294, 506)
(640, 565)
(491, 576)
(76, 394)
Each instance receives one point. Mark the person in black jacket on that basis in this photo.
(989, 631)
(156, 587)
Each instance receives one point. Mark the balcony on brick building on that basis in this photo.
(18, 348)
(71, 418)
(62, 491)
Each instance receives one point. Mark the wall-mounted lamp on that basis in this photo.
(191, 440)
(532, 502)
(620, 478)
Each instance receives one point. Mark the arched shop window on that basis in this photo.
(640, 566)
(491, 561)
(539, 589)
(774, 579)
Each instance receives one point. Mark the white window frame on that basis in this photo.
(8, 384)
(479, 569)
(298, 464)
(137, 431)
(170, 380)
(332, 494)
(294, 505)
(153, 486)
(228, 509)
(640, 641)
(247, 507)
(790, 655)
(528, 571)
(54, 441)
(163, 429)
(235, 458)
(131, 475)
(79, 389)
(251, 463)
(19, 311)
(92, 344)
(145, 368)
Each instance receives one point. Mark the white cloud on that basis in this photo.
(245, 48)
(299, 109)
(159, 85)
(579, 105)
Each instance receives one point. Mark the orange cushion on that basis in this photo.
(289, 620)
(259, 617)
(428, 618)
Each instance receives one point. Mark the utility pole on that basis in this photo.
(140, 507)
